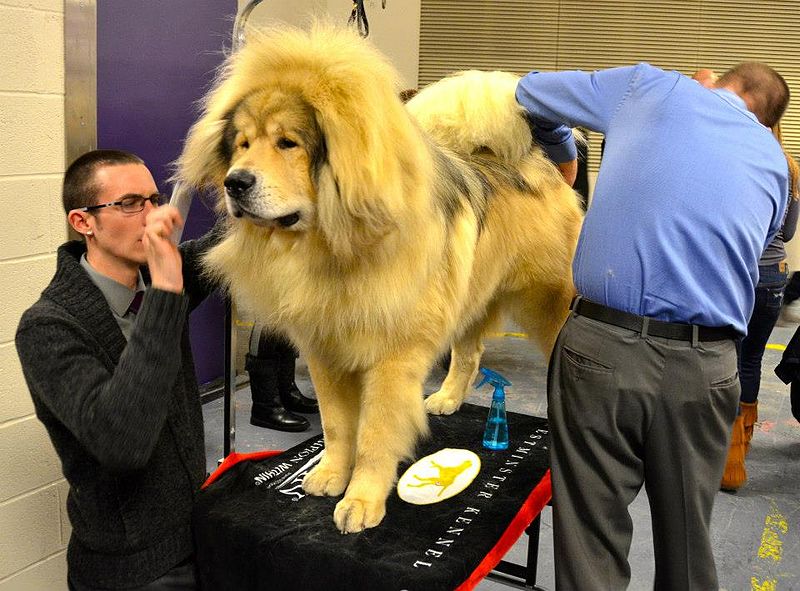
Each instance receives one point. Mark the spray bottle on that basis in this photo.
(495, 435)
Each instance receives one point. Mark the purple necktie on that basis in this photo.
(137, 301)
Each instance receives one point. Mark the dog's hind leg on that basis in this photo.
(338, 395)
(542, 313)
(464, 363)
(392, 419)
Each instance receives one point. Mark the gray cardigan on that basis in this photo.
(124, 418)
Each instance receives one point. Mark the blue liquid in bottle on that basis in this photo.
(495, 435)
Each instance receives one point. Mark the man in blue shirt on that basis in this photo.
(643, 386)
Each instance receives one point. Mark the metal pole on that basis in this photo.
(229, 405)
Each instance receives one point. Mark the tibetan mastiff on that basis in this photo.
(375, 234)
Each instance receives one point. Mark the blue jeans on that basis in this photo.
(769, 297)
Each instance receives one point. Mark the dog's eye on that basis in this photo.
(286, 143)
(244, 144)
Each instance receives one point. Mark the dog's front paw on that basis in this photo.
(324, 481)
(441, 403)
(354, 515)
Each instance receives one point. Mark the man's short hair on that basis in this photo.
(79, 188)
(767, 89)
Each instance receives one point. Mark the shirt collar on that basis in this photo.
(118, 296)
(736, 101)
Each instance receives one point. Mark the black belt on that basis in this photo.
(649, 326)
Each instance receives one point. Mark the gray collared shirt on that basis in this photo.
(118, 296)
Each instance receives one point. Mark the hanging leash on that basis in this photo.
(358, 16)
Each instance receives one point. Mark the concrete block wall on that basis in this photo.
(34, 528)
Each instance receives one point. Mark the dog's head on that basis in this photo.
(305, 132)
(275, 150)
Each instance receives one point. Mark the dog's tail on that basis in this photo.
(475, 111)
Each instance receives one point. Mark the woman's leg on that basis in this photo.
(769, 296)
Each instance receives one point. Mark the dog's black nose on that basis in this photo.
(238, 183)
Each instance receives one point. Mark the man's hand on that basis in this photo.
(569, 170)
(163, 257)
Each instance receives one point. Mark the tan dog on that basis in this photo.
(370, 245)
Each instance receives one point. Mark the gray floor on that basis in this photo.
(756, 531)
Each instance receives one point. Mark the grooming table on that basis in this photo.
(255, 529)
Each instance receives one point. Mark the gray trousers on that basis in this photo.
(625, 410)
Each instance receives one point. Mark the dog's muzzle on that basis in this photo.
(239, 186)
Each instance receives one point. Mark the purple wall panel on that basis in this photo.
(155, 59)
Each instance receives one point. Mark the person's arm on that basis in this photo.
(116, 414)
(198, 284)
(163, 258)
(558, 101)
(790, 221)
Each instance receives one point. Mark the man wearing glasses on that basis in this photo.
(111, 375)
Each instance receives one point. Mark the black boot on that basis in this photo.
(291, 397)
(268, 410)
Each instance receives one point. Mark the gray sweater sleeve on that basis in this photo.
(790, 221)
(116, 412)
(197, 283)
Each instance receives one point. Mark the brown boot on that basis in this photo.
(735, 474)
(749, 414)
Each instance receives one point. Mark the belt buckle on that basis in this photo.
(783, 266)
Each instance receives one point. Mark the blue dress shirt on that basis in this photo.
(691, 189)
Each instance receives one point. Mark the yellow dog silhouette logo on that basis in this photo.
(447, 475)
(438, 476)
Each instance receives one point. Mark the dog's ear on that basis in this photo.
(207, 151)
(375, 154)
(348, 223)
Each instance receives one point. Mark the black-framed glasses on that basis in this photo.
(131, 203)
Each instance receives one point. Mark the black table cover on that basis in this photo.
(255, 529)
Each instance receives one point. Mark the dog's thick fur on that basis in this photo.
(372, 245)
